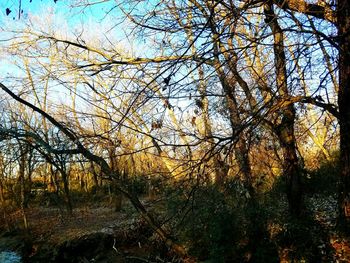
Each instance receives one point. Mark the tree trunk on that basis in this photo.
(241, 149)
(30, 167)
(292, 170)
(118, 202)
(2, 202)
(285, 130)
(67, 198)
(343, 21)
(21, 181)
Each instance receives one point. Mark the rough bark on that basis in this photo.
(343, 25)
(241, 150)
(65, 180)
(21, 181)
(285, 130)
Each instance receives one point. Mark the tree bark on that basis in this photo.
(228, 83)
(285, 130)
(21, 181)
(343, 24)
(65, 179)
(292, 170)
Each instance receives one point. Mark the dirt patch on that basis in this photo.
(88, 235)
(50, 225)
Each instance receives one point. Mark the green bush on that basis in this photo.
(323, 180)
(210, 226)
(224, 225)
(138, 184)
(307, 240)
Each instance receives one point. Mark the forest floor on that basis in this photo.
(50, 225)
(111, 236)
(324, 211)
(125, 239)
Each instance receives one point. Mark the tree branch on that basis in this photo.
(316, 10)
(324, 11)
(284, 102)
(30, 136)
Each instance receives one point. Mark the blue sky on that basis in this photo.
(91, 18)
(61, 7)
(27, 7)
(91, 22)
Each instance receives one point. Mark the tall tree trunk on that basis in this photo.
(217, 162)
(68, 201)
(21, 181)
(343, 22)
(54, 183)
(292, 170)
(30, 167)
(241, 150)
(228, 83)
(285, 130)
(2, 199)
(116, 195)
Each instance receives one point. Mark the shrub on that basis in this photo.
(209, 225)
(323, 180)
